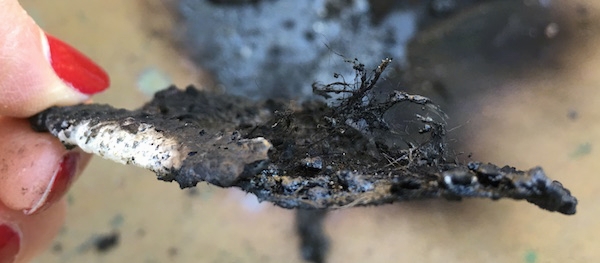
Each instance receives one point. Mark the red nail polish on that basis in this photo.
(62, 181)
(76, 69)
(10, 244)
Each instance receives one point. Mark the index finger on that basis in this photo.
(38, 71)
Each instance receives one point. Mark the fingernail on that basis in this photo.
(10, 244)
(59, 184)
(75, 68)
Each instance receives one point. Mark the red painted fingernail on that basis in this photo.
(10, 243)
(61, 182)
(76, 69)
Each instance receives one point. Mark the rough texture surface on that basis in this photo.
(185, 136)
(309, 156)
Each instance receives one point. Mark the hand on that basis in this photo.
(36, 71)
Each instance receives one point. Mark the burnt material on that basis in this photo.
(309, 156)
(106, 242)
(314, 244)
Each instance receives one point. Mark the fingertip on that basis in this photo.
(69, 167)
(35, 169)
(37, 70)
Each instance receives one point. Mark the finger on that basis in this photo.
(38, 71)
(24, 236)
(35, 169)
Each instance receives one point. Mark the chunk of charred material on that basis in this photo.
(310, 156)
(295, 160)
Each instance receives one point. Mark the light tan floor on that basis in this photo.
(160, 223)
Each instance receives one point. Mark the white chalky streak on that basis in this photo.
(152, 150)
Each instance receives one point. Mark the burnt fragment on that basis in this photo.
(310, 156)
(314, 244)
(106, 242)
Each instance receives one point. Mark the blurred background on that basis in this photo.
(518, 78)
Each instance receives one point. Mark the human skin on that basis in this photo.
(36, 71)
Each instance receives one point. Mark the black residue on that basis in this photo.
(573, 114)
(104, 243)
(314, 244)
(192, 192)
(57, 247)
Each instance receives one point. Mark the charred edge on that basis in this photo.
(348, 189)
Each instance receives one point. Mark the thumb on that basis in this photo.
(38, 70)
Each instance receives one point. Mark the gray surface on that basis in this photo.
(279, 48)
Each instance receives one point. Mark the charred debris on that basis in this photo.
(339, 152)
